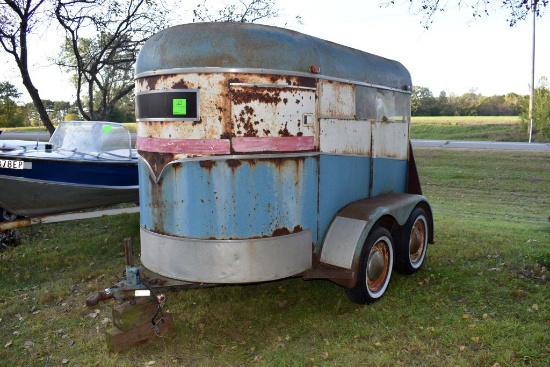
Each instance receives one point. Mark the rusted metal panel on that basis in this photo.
(213, 104)
(336, 100)
(233, 106)
(270, 111)
(390, 140)
(345, 137)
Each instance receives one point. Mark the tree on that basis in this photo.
(518, 9)
(9, 111)
(423, 103)
(245, 12)
(18, 19)
(103, 65)
(541, 109)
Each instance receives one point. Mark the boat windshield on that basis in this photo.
(93, 137)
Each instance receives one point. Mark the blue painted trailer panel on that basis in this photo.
(231, 199)
(388, 175)
(342, 180)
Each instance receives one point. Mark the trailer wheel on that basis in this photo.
(6, 216)
(412, 243)
(375, 267)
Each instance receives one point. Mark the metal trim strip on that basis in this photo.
(263, 71)
(273, 144)
(226, 261)
(265, 85)
(183, 146)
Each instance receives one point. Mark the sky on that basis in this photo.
(457, 54)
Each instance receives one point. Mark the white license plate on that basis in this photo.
(4, 163)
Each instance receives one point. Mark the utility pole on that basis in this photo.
(532, 97)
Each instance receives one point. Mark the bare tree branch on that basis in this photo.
(103, 65)
(517, 9)
(249, 11)
(17, 21)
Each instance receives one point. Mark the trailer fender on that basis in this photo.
(343, 243)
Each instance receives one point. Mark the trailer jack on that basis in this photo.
(139, 316)
(132, 286)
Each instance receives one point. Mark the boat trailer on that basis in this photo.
(9, 233)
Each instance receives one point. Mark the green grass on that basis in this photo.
(482, 297)
(466, 120)
(485, 128)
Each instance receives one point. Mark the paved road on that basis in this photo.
(44, 136)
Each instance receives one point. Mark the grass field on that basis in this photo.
(487, 128)
(482, 298)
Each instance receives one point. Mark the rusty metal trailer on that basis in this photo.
(266, 153)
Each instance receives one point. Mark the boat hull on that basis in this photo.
(31, 197)
(56, 185)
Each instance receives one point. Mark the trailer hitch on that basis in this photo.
(133, 285)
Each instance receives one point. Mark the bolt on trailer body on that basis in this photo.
(266, 153)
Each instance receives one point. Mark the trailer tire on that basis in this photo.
(412, 243)
(6, 216)
(375, 268)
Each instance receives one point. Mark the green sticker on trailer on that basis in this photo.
(179, 106)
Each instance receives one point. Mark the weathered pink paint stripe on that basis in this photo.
(185, 146)
(273, 144)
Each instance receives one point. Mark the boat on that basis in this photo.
(85, 164)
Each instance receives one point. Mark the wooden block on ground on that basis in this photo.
(118, 340)
(127, 316)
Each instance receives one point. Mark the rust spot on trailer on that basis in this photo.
(152, 82)
(302, 81)
(285, 231)
(180, 84)
(249, 110)
(208, 165)
(260, 94)
(284, 131)
(280, 232)
(234, 164)
(249, 129)
(157, 161)
(234, 80)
